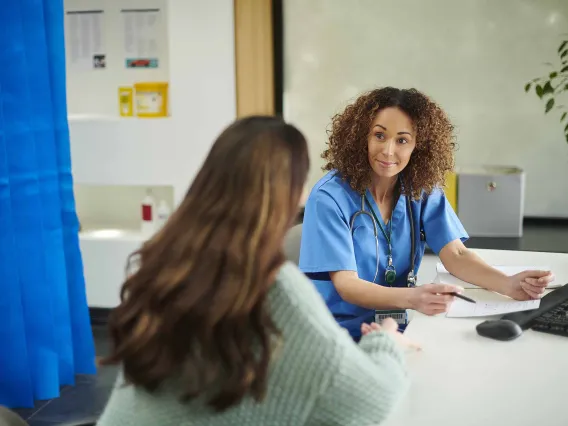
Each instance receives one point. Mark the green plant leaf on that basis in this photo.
(547, 88)
(566, 129)
(528, 87)
(562, 46)
(566, 87)
(538, 90)
(566, 135)
(553, 75)
(564, 69)
(549, 105)
(563, 54)
(563, 117)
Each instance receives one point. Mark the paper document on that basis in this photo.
(142, 37)
(461, 308)
(444, 277)
(85, 39)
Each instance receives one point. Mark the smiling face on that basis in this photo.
(391, 141)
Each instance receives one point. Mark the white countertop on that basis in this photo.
(462, 379)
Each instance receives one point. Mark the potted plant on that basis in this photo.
(548, 88)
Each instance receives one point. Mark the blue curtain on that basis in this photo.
(45, 334)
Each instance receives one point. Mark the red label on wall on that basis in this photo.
(146, 212)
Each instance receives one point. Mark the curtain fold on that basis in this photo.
(45, 334)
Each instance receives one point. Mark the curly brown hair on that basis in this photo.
(432, 158)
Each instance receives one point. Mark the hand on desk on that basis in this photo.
(390, 326)
(528, 285)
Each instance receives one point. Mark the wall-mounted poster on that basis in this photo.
(85, 43)
(141, 35)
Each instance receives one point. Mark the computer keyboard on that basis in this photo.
(551, 317)
(554, 321)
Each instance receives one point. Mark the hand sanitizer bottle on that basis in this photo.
(163, 213)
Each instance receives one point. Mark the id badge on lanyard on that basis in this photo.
(399, 315)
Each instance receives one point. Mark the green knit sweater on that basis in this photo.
(320, 376)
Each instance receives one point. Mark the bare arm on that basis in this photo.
(363, 293)
(430, 299)
(469, 267)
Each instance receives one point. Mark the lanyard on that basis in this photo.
(387, 236)
(390, 271)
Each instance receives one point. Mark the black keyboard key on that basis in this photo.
(554, 321)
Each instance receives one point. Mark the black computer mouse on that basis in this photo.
(499, 329)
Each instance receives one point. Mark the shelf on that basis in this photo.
(110, 234)
(95, 118)
(81, 118)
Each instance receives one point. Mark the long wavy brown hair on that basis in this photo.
(195, 308)
(431, 160)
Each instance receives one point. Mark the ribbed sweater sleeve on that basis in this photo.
(369, 383)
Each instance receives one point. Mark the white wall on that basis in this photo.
(472, 56)
(95, 91)
(202, 80)
(115, 159)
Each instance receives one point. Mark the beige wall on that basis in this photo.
(472, 56)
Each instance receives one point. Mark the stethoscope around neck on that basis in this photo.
(390, 271)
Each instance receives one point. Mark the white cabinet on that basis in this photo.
(491, 201)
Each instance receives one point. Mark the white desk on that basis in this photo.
(462, 379)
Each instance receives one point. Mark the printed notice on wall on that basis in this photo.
(141, 37)
(85, 44)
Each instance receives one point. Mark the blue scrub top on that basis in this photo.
(329, 245)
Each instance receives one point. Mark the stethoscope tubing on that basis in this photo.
(411, 279)
(351, 227)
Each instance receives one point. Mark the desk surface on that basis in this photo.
(463, 379)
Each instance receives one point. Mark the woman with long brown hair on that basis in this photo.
(215, 328)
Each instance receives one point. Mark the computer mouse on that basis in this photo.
(499, 329)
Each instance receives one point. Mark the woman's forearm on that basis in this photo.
(363, 293)
(469, 267)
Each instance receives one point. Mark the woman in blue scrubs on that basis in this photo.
(388, 155)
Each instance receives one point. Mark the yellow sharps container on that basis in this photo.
(151, 99)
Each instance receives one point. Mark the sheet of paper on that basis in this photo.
(461, 308)
(85, 45)
(444, 277)
(141, 37)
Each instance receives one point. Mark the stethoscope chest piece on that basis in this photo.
(390, 276)
(411, 279)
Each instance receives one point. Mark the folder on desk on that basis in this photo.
(444, 277)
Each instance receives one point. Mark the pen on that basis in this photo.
(460, 296)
